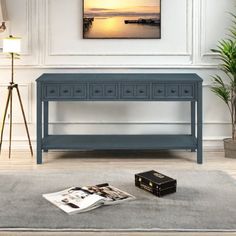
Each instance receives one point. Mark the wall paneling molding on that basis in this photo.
(69, 59)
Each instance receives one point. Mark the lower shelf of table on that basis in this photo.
(122, 142)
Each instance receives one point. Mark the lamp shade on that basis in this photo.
(3, 11)
(12, 44)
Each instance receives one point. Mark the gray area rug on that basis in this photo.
(205, 201)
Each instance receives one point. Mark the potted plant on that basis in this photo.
(225, 86)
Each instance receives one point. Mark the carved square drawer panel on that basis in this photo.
(80, 91)
(143, 91)
(111, 91)
(172, 90)
(66, 91)
(51, 91)
(128, 90)
(158, 90)
(187, 91)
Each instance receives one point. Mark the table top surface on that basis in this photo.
(126, 77)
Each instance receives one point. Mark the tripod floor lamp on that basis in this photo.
(12, 46)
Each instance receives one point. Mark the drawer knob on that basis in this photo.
(110, 91)
(173, 91)
(78, 91)
(97, 91)
(65, 91)
(186, 91)
(128, 91)
(52, 91)
(141, 91)
(159, 91)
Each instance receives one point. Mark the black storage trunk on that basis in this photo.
(155, 183)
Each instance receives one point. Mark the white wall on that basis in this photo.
(52, 42)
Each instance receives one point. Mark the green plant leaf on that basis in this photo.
(225, 88)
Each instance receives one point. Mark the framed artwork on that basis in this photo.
(121, 19)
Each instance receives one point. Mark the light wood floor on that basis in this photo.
(54, 161)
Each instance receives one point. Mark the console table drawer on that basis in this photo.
(63, 91)
(103, 91)
(177, 91)
(135, 91)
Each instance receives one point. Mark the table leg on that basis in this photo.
(39, 124)
(199, 125)
(193, 121)
(45, 121)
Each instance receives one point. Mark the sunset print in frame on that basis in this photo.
(121, 19)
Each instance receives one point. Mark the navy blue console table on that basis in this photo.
(119, 87)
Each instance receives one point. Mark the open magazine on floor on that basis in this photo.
(80, 199)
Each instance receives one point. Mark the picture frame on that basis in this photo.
(121, 20)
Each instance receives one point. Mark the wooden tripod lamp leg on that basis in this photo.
(10, 135)
(23, 113)
(4, 117)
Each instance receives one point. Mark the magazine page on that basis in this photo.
(111, 194)
(75, 200)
